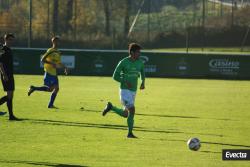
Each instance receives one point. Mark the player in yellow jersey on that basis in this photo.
(52, 61)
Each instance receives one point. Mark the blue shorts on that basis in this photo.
(50, 80)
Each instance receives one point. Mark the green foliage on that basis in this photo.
(85, 21)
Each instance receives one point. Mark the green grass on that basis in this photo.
(169, 112)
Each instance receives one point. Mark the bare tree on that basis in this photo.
(55, 17)
(107, 12)
(126, 18)
(69, 14)
(5, 4)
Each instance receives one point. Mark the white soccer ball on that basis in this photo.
(194, 144)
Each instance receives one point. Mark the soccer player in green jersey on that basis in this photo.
(127, 73)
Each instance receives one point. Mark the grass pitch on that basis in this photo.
(168, 113)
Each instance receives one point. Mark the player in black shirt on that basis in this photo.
(6, 70)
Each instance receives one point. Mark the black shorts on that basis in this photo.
(8, 85)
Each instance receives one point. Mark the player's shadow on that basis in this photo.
(40, 163)
(164, 116)
(149, 115)
(225, 144)
(110, 126)
(184, 117)
(93, 125)
(218, 143)
(2, 113)
(167, 116)
(214, 152)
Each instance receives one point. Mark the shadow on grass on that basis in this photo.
(149, 115)
(217, 143)
(165, 116)
(168, 116)
(109, 126)
(92, 125)
(2, 113)
(224, 144)
(40, 163)
(214, 152)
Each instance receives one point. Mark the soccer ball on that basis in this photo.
(194, 144)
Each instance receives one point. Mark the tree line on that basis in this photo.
(106, 23)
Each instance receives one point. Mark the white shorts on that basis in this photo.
(127, 98)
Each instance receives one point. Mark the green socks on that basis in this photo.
(118, 111)
(130, 119)
(130, 122)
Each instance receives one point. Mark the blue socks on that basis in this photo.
(42, 88)
(52, 99)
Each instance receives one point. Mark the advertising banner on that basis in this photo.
(157, 64)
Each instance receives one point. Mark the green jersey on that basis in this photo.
(128, 71)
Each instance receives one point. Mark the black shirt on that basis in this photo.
(6, 58)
